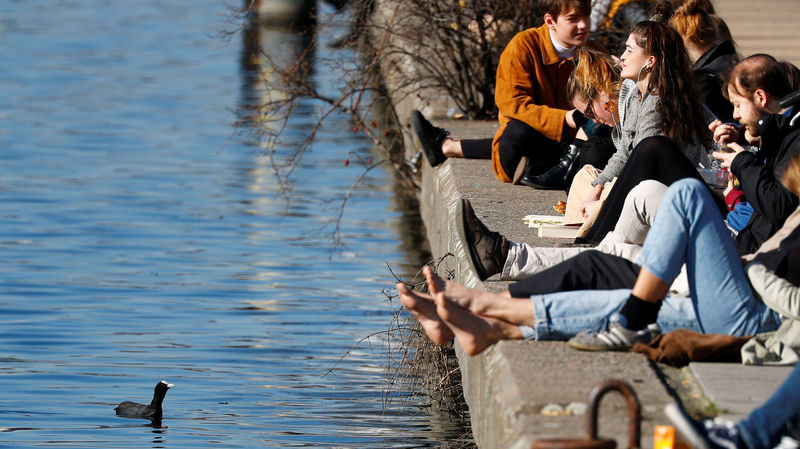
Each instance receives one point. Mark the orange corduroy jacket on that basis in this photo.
(532, 88)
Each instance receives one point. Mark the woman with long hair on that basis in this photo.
(658, 74)
(594, 88)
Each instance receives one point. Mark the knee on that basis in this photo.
(687, 190)
(654, 147)
(587, 259)
(646, 190)
(515, 133)
(689, 184)
(644, 200)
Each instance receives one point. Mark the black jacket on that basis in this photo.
(710, 71)
(759, 178)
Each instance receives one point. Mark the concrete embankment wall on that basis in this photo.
(508, 385)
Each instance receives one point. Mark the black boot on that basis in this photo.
(558, 177)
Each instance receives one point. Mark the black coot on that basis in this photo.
(152, 412)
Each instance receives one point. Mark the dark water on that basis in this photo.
(136, 245)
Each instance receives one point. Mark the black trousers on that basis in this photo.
(656, 158)
(477, 148)
(598, 149)
(518, 139)
(589, 270)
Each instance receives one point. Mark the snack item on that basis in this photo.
(560, 207)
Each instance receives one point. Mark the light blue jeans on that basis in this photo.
(688, 229)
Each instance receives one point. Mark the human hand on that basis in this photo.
(731, 184)
(724, 133)
(591, 201)
(727, 157)
(569, 119)
(587, 207)
(755, 140)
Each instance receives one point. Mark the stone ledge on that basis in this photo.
(507, 386)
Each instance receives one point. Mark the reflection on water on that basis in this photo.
(137, 245)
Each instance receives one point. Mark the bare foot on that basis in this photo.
(476, 301)
(474, 333)
(424, 310)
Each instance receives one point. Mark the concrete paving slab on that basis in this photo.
(766, 26)
(738, 389)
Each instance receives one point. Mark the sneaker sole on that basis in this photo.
(596, 348)
(525, 182)
(684, 427)
(462, 231)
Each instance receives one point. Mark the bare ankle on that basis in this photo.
(452, 148)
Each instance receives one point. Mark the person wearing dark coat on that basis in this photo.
(757, 174)
(756, 86)
(710, 71)
(711, 50)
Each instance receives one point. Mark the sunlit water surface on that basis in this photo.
(136, 245)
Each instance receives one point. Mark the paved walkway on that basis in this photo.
(736, 389)
(764, 26)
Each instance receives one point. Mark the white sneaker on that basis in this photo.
(615, 337)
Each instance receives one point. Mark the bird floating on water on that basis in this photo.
(153, 412)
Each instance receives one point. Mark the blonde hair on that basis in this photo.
(791, 176)
(594, 72)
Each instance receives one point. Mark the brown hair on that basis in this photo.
(705, 4)
(594, 72)
(695, 24)
(759, 71)
(673, 81)
(556, 7)
(792, 74)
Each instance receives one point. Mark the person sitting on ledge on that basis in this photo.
(663, 134)
(754, 87)
(537, 121)
(555, 304)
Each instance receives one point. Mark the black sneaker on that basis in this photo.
(708, 434)
(430, 137)
(486, 250)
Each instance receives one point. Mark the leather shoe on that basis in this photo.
(557, 177)
(486, 250)
(430, 137)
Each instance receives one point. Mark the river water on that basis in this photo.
(143, 239)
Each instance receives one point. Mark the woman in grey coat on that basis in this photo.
(664, 134)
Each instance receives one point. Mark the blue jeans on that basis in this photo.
(688, 229)
(765, 426)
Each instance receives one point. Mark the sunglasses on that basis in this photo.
(589, 112)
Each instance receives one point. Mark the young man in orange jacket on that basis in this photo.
(537, 120)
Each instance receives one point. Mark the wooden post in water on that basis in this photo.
(282, 12)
